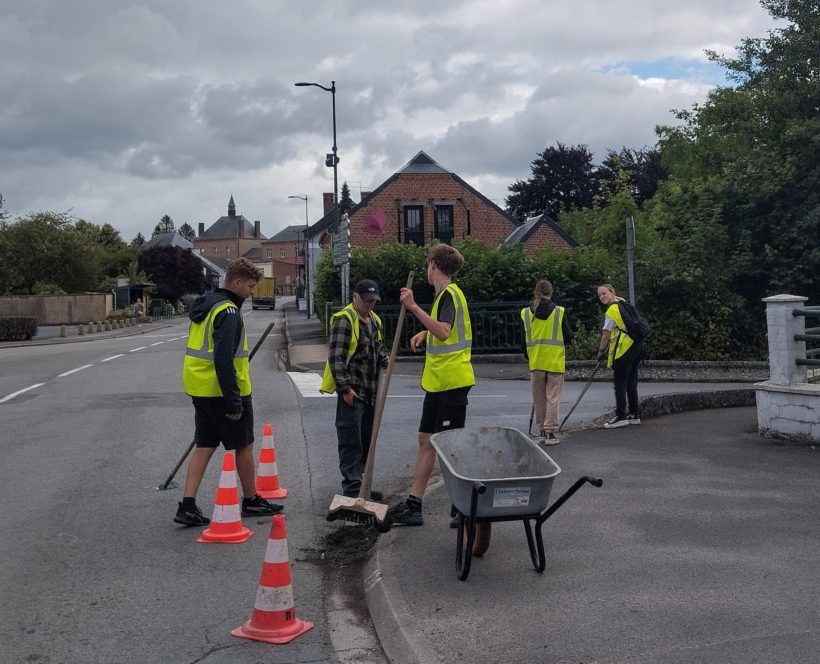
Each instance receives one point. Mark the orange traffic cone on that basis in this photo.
(226, 525)
(273, 619)
(267, 474)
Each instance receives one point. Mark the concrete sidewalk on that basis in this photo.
(50, 334)
(697, 548)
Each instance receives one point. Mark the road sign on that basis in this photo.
(341, 245)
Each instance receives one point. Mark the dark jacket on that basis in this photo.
(228, 335)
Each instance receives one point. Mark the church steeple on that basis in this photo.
(231, 207)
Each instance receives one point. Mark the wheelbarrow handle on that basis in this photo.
(594, 481)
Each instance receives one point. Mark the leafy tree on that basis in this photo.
(3, 215)
(563, 178)
(46, 247)
(175, 271)
(138, 241)
(165, 225)
(187, 231)
(643, 171)
(345, 201)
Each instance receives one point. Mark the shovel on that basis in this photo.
(580, 396)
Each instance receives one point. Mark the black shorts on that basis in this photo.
(444, 410)
(213, 427)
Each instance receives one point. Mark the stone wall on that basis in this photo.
(59, 309)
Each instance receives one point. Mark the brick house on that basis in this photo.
(229, 237)
(423, 201)
(285, 253)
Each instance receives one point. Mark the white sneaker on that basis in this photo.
(616, 422)
(633, 419)
(550, 439)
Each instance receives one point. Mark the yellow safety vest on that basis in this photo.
(619, 340)
(198, 370)
(545, 340)
(447, 363)
(328, 384)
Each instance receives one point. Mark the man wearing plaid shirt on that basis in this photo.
(355, 355)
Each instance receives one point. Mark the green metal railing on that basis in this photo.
(812, 335)
(496, 326)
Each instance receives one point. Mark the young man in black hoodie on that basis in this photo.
(216, 375)
(546, 334)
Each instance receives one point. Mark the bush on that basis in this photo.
(16, 328)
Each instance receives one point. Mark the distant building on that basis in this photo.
(173, 239)
(285, 252)
(229, 237)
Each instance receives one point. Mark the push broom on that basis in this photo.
(361, 510)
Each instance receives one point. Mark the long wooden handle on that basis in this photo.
(381, 397)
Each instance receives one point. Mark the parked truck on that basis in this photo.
(264, 295)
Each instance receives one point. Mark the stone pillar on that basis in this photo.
(108, 326)
(90, 327)
(80, 329)
(99, 326)
(62, 330)
(782, 325)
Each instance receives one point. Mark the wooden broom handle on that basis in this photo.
(381, 397)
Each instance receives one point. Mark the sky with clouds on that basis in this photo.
(122, 112)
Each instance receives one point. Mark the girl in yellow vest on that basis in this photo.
(448, 372)
(546, 333)
(622, 354)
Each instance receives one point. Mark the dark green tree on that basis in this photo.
(345, 201)
(174, 271)
(187, 231)
(563, 178)
(138, 241)
(165, 225)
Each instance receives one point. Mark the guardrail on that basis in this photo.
(496, 326)
(810, 335)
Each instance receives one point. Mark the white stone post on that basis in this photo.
(782, 325)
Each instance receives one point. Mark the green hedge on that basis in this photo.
(16, 328)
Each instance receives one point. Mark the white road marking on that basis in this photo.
(19, 392)
(68, 373)
(307, 383)
(134, 350)
(157, 343)
(113, 357)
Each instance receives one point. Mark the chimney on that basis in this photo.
(240, 227)
(257, 229)
(201, 229)
(365, 194)
(327, 200)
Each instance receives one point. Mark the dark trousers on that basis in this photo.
(354, 426)
(625, 380)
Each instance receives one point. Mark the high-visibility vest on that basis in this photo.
(198, 370)
(545, 340)
(328, 384)
(619, 340)
(447, 363)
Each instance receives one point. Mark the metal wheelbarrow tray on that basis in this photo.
(498, 474)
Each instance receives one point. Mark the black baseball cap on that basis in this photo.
(367, 290)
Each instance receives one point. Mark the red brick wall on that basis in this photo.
(543, 237)
(238, 246)
(486, 224)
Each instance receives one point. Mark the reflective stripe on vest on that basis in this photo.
(328, 385)
(545, 340)
(619, 340)
(198, 371)
(447, 363)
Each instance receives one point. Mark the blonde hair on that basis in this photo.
(542, 289)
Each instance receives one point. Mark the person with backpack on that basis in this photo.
(546, 334)
(622, 352)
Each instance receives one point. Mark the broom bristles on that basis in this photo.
(357, 510)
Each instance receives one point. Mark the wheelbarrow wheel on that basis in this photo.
(482, 538)
(465, 539)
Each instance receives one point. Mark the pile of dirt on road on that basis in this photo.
(348, 546)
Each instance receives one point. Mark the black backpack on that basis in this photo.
(636, 325)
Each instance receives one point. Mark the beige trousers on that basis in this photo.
(546, 396)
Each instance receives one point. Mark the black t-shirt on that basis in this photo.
(446, 309)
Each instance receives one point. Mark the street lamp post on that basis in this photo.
(307, 255)
(334, 162)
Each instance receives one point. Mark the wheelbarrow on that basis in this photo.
(498, 474)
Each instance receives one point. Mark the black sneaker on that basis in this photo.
(258, 506)
(634, 419)
(617, 422)
(405, 515)
(192, 516)
(454, 521)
